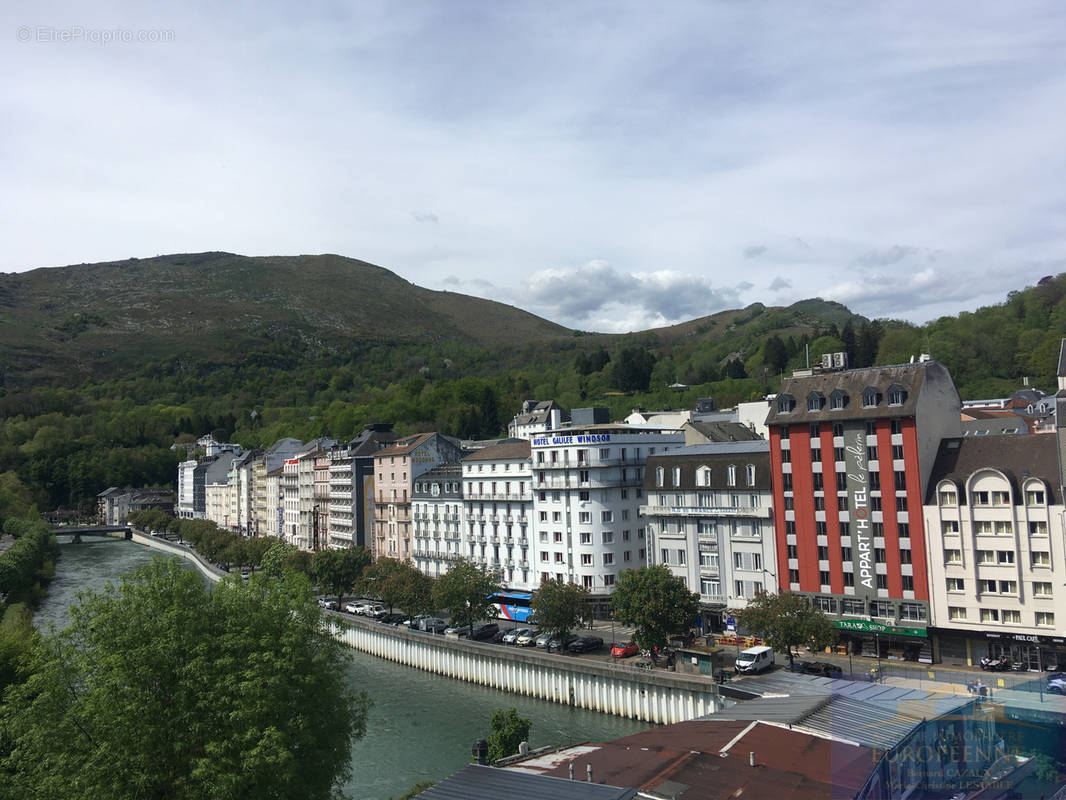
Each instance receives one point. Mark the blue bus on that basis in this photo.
(513, 606)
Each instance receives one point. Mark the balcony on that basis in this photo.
(762, 512)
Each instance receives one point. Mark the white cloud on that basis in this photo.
(909, 161)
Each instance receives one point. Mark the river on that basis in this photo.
(421, 726)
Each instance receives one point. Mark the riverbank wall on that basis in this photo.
(653, 696)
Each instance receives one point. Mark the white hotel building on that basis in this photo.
(587, 492)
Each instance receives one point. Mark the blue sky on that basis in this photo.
(611, 166)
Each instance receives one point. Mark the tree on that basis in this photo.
(336, 570)
(785, 620)
(656, 602)
(466, 590)
(160, 687)
(775, 354)
(559, 606)
(508, 731)
(397, 583)
(631, 370)
(274, 558)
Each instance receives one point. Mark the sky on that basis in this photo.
(611, 166)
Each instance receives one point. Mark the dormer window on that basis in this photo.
(897, 395)
(677, 476)
(870, 397)
(731, 475)
(786, 404)
(749, 474)
(815, 401)
(703, 476)
(660, 476)
(838, 400)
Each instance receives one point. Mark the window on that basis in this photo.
(558, 558)
(823, 578)
(838, 429)
(665, 553)
(827, 605)
(786, 457)
(1045, 619)
(982, 526)
(608, 580)
(584, 517)
(904, 556)
(815, 401)
(956, 612)
(544, 536)
(709, 560)
(870, 397)
(948, 497)
(956, 585)
(1005, 556)
(949, 526)
(845, 554)
(731, 475)
(786, 403)
(1041, 558)
(845, 530)
(608, 558)
(1041, 589)
(979, 498)
(838, 399)
(749, 474)
(838, 455)
(1001, 498)
(983, 556)
(1034, 497)
(677, 476)
(897, 395)
(881, 608)
(1004, 528)
(1011, 616)
(897, 452)
(557, 516)
(625, 556)
(703, 476)
(882, 581)
(897, 426)
(544, 556)
(586, 559)
(607, 516)
(586, 537)
(900, 478)
(912, 611)
(1008, 587)
(853, 607)
(608, 537)
(1037, 528)
(709, 587)
(903, 529)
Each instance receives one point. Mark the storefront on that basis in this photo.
(878, 640)
(1024, 651)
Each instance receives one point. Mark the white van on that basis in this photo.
(755, 659)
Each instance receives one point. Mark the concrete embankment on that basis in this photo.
(652, 696)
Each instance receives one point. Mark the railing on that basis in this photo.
(762, 512)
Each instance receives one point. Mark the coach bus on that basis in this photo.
(513, 605)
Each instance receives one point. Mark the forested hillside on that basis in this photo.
(67, 438)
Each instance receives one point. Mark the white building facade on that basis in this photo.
(497, 512)
(588, 484)
(436, 512)
(708, 517)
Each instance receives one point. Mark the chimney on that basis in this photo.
(571, 770)
(480, 751)
(751, 758)
(588, 769)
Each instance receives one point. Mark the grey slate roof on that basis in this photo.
(722, 430)
(912, 378)
(718, 456)
(1017, 457)
(475, 782)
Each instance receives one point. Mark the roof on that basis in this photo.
(475, 782)
(1017, 457)
(913, 379)
(995, 426)
(710, 759)
(718, 457)
(505, 451)
(537, 411)
(1062, 360)
(405, 445)
(722, 431)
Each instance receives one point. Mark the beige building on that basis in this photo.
(994, 518)
(395, 468)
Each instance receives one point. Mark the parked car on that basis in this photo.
(512, 636)
(585, 644)
(557, 645)
(432, 625)
(542, 640)
(328, 603)
(374, 611)
(624, 649)
(392, 619)
(822, 668)
(1056, 685)
(484, 630)
(412, 622)
(527, 639)
(457, 630)
(352, 608)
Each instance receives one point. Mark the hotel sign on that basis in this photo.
(590, 438)
(858, 483)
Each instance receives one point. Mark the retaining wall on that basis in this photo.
(655, 696)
